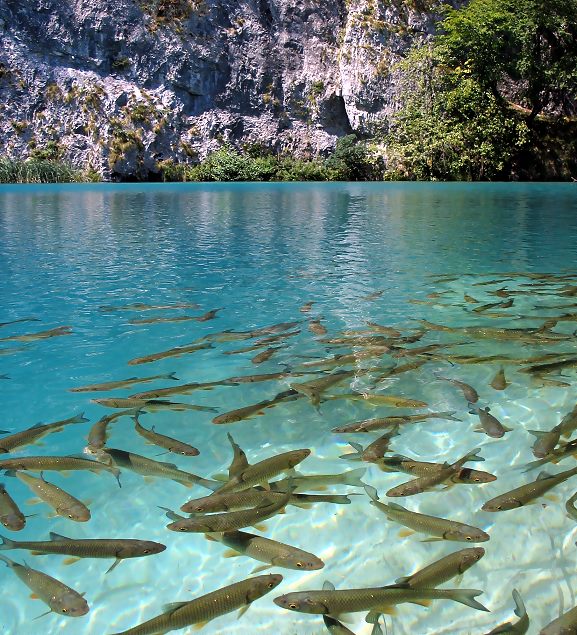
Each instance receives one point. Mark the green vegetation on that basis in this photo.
(37, 171)
(349, 162)
(474, 100)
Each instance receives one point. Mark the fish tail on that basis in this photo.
(448, 415)
(172, 376)
(79, 418)
(467, 597)
(6, 543)
(473, 456)
(353, 456)
(353, 477)
(520, 610)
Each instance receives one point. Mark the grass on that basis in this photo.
(38, 171)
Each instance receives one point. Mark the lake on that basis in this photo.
(431, 275)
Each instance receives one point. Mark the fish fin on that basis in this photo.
(149, 479)
(42, 614)
(229, 553)
(199, 625)
(263, 567)
(171, 515)
(33, 501)
(459, 579)
(261, 527)
(37, 553)
(302, 505)
(33, 596)
(386, 609)
(242, 610)
(537, 433)
(507, 429)
(478, 430)
(421, 602)
(403, 580)
(223, 478)
(173, 606)
(113, 565)
(68, 561)
(372, 617)
(543, 475)
(397, 507)
(432, 539)
(6, 543)
(553, 498)
(210, 537)
(467, 597)
(403, 533)
(52, 515)
(519, 604)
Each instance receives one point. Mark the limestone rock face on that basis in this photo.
(123, 86)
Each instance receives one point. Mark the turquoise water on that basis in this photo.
(259, 252)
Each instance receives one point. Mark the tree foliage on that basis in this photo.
(530, 42)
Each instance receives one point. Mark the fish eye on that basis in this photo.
(146, 551)
(477, 480)
(270, 585)
(499, 507)
(299, 565)
(182, 528)
(70, 516)
(65, 610)
(292, 605)
(469, 538)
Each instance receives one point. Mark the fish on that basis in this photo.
(177, 351)
(439, 528)
(57, 595)
(253, 497)
(168, 443)
(368, 425)
(246, 412)
(376, 450)
(28, 319)
(252, 379)
(374, 600)
(522, 625)
(10, 515)
(272, 339)
(266, 550)
(239, 460)
(499, 382)
(98, 433)
(63, 503)
(316, 327)
(117, 548)
(264, 471)
(490, 425)
(427, 482)
(532, 335)
(373, 296)
(149, 467)
(555, 456)
(303, 482)
(228, 521)
(151, 405)
(274, 329)
(546, 441)
(569, 423)
(566, 624)
(527, 493)
(443, 570)
(162, 320)
(11, 351)
(485, 307)
(42, 335)
(31, 435)
(141, 306)
(550, 367)
(374, 399)
(401, 368)
(57, 464)
(314, 388)
(122, 383)
(469, 392)
(385, 330)
(470, 299)
(400, 463)
(337, 628)
(305, 308)
(360, 341)
(263, 356)
(209, 315)
(207, 607)
(182, 389)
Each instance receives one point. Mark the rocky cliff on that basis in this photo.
(124, 86)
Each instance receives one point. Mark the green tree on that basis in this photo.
(530, 42)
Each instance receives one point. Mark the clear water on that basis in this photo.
(260, 252)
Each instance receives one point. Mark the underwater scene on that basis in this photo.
(288, 408)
